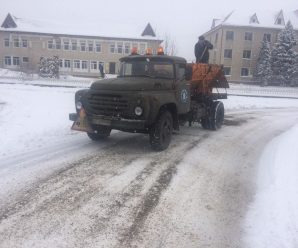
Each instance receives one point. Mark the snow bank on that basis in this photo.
(272, 220)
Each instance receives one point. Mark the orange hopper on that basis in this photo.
(205, 77)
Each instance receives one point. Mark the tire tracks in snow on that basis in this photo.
(52, 200)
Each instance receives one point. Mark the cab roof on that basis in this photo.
(164, 58)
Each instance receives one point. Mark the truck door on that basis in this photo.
(182, 89)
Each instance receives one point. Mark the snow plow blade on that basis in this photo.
(81, 123)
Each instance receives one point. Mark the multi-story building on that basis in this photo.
(23, 42)
(237, 40)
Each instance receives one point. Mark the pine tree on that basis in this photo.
(283, 55)
(49, 67)
(263, 71)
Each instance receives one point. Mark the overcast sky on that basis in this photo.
(183, 20)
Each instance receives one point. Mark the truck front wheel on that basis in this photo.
(100, 133)
(161, 132)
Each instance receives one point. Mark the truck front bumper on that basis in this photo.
(113, 122)
(117, 123)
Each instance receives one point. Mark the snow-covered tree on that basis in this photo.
(49, 67)
(263, 71)
(294, 72)
(284, 56)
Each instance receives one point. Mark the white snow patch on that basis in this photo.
(272, 220)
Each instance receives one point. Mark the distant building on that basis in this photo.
(237, 40)
(23, 42)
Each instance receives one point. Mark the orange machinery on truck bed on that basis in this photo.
(207, 77)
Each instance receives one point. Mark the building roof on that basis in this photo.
(148, 31)
(258, 19)
(114, 30)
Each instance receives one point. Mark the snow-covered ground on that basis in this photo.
(272, 220)
(33, 117)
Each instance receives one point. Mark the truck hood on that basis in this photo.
(132, 84)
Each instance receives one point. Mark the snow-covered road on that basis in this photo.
(71, 192)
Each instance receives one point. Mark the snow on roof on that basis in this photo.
(261, 18)
(113, 30)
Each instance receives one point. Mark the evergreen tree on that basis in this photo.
(263, 71)
(49, 67)
(283, 55)
(294, 72)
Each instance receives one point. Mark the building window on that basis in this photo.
(246, 54)
(229, 35)
(244, 72)
(25, 59)
(7, 60)
(227, 71)
(119, 48)
(142, 48)
(58, 44)
(24, 43)
(97, 47)
(248, 36)
(93, 65)
(112, 48)
(50, 44)
(127, 48)
(83, 46)
(76, 64)
(267, 37)
(6, 42)
(228, 53)
(16, 43)
(66, 63)
(216, 38)
(60, 63)
(279, 21)
(74, 45)
(16, 61)
(135, 45)
(90, 46)
(66, 45)
(84, 65)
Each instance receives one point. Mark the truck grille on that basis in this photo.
(108, 104)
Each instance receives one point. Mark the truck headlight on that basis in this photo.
(79, 105)
(138, 111)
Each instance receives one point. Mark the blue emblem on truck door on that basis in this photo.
(184, 95)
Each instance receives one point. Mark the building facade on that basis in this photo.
(22, 46)
(237, 41)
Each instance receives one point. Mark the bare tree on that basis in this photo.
(169, 45)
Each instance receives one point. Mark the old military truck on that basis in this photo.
(153, 94)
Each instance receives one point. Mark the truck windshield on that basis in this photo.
(155, 69)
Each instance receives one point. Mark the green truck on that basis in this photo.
(153, 94)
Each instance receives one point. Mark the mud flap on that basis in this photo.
(82, 124)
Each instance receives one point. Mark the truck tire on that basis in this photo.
(160, 134)
(100, 133)
(217, 115)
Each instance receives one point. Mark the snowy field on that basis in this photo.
(34, 117)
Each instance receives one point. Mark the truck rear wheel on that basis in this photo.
(161, 133)
(100, 133)
(205, 122)
(217, 115)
